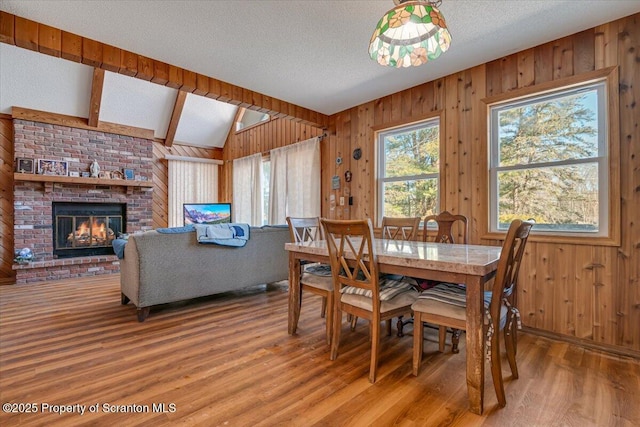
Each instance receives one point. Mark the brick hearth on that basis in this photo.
(32, 204)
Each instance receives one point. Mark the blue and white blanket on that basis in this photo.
(230, 234)
(118, 247)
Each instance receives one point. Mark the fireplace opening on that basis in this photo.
(85, 229)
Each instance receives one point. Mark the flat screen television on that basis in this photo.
(206, 213)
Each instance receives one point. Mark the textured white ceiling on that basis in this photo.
(313, 53)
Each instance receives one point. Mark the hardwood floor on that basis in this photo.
(227, 360)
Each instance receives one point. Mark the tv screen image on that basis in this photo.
(206, 213)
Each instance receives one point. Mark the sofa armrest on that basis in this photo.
(130, 272)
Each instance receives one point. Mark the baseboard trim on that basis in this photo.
(7, 281)
(608, 348)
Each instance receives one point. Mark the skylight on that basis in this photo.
(249, 118)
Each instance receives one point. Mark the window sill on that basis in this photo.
(556, 238)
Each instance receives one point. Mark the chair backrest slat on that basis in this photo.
(400, 228)
(304, 229)
(446, 222)
(354, 261)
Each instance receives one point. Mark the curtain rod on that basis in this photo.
(320, 138)
(193, 159)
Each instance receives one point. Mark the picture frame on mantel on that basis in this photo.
(53, 167)
(24, 165)
(128, 174)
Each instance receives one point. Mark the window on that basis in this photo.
(549, 161)
(249, 118)
(409, 170)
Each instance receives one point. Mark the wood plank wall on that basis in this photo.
(161, 175)
(7, 275)
(275, 133)
(585, 292)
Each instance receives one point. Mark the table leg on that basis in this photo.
(294, 293)
(475, 344)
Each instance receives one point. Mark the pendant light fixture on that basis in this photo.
(411, 34)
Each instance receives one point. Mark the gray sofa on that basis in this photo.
(160, 268)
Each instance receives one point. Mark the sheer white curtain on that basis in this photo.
(190, 181)
(247, 190)
(295, 181)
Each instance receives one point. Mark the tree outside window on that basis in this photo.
(409, 170)
(549, 161)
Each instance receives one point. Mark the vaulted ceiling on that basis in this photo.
(309, 53)
(31, 80)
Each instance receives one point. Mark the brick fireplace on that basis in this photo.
(34, 201)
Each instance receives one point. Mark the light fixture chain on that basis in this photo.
(434, 3)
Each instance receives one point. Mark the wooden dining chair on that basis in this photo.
(357, 289)
(445, 304)
(446, 222)
(397, 228)
(313, 278)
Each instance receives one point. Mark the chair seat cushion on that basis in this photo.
(318, 269)
(404, 299)
(316, 281)
(390, 287)
(449, 300)
(449, 293)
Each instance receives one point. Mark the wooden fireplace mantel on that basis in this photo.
(49, 180)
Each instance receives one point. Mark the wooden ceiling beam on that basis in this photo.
(111, 58)
(49, 40)
(71, 47)
(52, 41)
(7, 28)
(96, 97)
(26, 33)
(175, 118)
(79, 122)
(91, 52)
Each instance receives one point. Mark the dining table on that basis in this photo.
(470, 265)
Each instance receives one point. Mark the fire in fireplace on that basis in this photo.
(93, 232)
(83, 229)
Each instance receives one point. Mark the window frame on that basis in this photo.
(238, 119)
(436, 117)
(608, 161)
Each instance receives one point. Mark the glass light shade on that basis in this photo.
(410, 34)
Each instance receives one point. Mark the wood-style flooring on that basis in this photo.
(228, 361)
